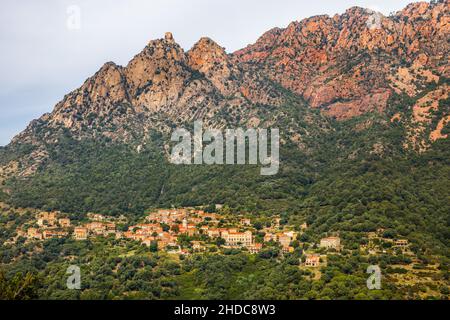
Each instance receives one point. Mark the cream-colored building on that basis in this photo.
(198, 246)
(46, 219)
(64, 222)
(284, 240)
(255, 248)
(47, 234)
(331, 243)
(312, 260)
(80, 233)
(401, 243)
(34, 233)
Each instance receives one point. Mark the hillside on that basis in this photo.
(362, 109)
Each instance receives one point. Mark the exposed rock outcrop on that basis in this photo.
(350, 64)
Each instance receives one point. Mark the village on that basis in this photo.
(186, 231)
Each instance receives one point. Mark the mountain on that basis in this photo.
(362, 105)
(361, 101)
(353, 63)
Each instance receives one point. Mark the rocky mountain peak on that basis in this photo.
(352, 63)
(168, 36)
(99, 95)
(416, 8)
(157, 75)
(345, 65)
(342, 64)
(108, 83)
(205, 54)
(210, 59)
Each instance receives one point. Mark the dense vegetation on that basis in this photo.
(110, 270)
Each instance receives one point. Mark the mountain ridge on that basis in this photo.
(302, 78)
(164, 78)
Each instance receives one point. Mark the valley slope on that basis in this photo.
(363, 112)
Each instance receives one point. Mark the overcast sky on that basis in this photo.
(45, 53)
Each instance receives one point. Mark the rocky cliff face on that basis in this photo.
(345, 65)
(352, 63)
(159, 85)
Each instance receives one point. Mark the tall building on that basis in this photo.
(237, 238)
